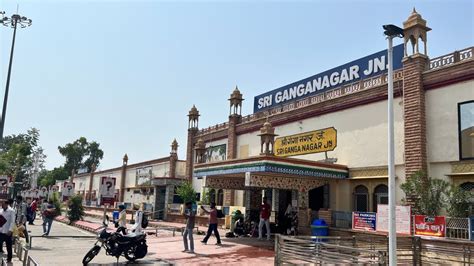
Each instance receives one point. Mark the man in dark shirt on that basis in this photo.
(190, 216)
(265, 211)
(212, 224)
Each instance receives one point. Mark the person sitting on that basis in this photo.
(239, 227)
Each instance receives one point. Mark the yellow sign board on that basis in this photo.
(310, 142)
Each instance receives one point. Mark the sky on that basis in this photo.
(126, 73)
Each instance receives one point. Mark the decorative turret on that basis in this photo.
(173, 158)
(200, 149)
(125, 159)
(193, 115)
(236, 102)
(267, 139)
(414, 29)
(174, 147)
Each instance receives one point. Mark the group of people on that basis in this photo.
(190, 216)
(121, 222)
(14, 216)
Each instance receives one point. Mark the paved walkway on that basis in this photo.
(163, 249)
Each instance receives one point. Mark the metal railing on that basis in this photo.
(341, 219)
(22, 254)
(457, 228)
(322, 250)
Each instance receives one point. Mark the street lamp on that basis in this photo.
(13, 21)
(391, 31)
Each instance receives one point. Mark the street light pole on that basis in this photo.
(391, 31)
(13, 22)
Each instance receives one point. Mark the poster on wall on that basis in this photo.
(144, 175)
(107, 190)
(321, 140)
(215, 153)
(403, 221)
(67, 190)
(430, 226)
(364, 221)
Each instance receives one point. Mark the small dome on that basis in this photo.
(194, 111)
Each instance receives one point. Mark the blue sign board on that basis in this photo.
(366, 67)
(471, 228)
(365, 221)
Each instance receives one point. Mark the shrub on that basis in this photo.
(57, 204)
(459, 202)
(76, 210)
(186, 192)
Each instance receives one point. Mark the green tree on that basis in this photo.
(49, 177)
(76, 210)
(459, 202)
(57, 204)
(427, 194)
(81, 154)
(186, 192)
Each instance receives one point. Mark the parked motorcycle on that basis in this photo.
(132, 246)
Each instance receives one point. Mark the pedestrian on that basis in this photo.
(122, 220)
(137, 227)
(21, 211)
(7, 222)
(48, 217)
(190, 215)
(33, 209)
(265, 211)
(212, 224)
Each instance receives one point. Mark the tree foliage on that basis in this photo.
(186, 192)
(460, 202)
(81, 154)
(428, 194)
(76, 210)
(49, 177)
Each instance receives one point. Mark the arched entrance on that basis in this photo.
(318, 198)
(380, 196)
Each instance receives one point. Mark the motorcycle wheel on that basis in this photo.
(90, 255)
(130, 255)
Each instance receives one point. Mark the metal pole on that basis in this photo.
(7, 87)
(392, 234)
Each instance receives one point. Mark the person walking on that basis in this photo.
(21, 211)
(212, 224)
(137, 227)
(33, 209)
(7, 222)
(190, 215)
(48, 217)
(265, 211)
(122, 220)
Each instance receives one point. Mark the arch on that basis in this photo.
(212, 195)
(467, 186)
(380, 196)
(361, 198)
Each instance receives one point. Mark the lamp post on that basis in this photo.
(13, 21)
(391, 31)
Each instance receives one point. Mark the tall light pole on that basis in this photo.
(391, 31)
(13, 21)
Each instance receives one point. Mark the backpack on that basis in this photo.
(144, 220)
(220, 214)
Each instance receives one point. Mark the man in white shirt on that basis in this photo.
(7, 221)
(137, 227)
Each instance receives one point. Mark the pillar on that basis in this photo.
(91, 181)
(122, 178)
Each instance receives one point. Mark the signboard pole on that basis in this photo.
(392, 232)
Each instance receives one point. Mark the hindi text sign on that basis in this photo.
(310, 142)
(430, 226)
(403, 221)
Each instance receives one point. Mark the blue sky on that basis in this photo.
(125, 73)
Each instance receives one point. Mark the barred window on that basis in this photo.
(466, 130)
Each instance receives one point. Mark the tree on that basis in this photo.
(186, 192)
(76, 210)
(428, 193)
(49, 177)
(77, 151)
(459, 202)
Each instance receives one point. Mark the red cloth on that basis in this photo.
(265, 211)
(213, 216)
(34, 206)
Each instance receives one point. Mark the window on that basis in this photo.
(380, 196)
(212, 195)
(467, 186)
(361, 198)
(220, 197)
(176, 197)
(466, 130)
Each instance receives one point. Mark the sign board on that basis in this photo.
(471, 228)
(215, 153)
(310, 142)
(144, 176)
(403, 220)
(107, 190)
(365, 221)
(430, 226)
(363, 68)
(67, 190)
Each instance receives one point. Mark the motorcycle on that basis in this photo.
(132, 246)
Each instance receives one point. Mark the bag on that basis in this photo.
(220, 214)
(15, 232)
(144, 221)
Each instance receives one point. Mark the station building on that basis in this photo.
(151, 183)
(321, 143)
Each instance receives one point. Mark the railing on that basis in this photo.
(457, 228)
(22, 254)
(451, 58)
(341, 219)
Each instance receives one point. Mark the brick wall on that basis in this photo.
(414, 114)
(190, 152)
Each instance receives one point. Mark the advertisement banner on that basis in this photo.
(430, 226)
(364, 221)
(67, 190)
(107, 190)
(305, 143)
(403, 221)
(144, 176)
